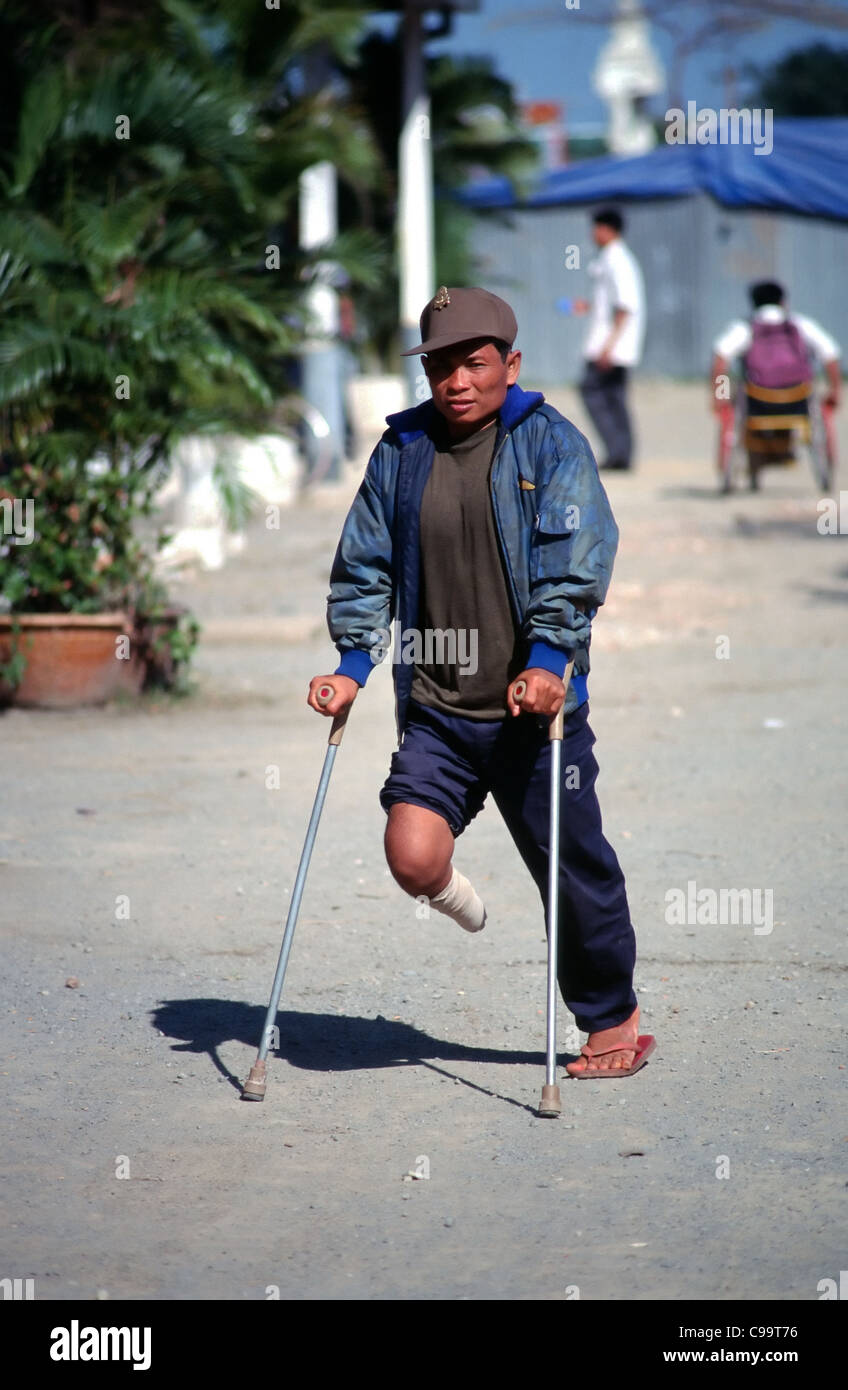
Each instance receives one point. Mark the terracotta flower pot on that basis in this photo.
(71, 658)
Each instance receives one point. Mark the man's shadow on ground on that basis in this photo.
(323, 1042)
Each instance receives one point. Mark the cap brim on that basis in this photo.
(448, 340)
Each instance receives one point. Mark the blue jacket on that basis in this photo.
(556, 531)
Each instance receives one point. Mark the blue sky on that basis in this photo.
(552, 58)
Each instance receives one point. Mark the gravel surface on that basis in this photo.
(147, 853)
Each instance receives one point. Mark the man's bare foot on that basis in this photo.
(618, 1046)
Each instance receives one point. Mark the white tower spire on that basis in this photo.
(628, 71)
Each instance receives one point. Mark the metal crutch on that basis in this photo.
(254, 1086)
(550, 1105)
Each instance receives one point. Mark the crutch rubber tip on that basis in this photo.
(550, 1106)
(254, 1086)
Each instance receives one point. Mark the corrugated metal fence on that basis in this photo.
(697, 259)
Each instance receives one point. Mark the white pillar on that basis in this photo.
(321, 360)
(415, 198)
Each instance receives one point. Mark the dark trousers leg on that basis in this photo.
(596, 944)
(604, 392)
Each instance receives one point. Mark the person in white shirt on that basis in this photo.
(614, 336)
(767, 299)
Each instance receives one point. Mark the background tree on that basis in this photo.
(812, 81)
(220, 125)
(474, 129)
(150, 280)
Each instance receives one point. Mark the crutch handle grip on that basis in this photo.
(324, 694)
(556, 726)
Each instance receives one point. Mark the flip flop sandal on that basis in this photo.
(645, 1045)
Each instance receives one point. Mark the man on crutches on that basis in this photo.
(481, 528)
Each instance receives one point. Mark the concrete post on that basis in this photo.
(415, 201)
(322, 375)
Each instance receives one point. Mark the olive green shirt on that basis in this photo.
(468, 639)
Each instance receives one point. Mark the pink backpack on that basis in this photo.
(777, 356)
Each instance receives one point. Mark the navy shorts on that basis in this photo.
(449, 765)
(445, 761)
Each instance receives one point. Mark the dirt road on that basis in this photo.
(149, 851)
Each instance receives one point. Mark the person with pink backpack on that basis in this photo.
(780, 355)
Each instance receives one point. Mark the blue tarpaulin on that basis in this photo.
(806, 171)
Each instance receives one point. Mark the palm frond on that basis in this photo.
(339, 28)
(361, 254)
(112, 232)
(42, 110)
(36, 356)
(33, 238)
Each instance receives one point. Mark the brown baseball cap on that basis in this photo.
(458, 316)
